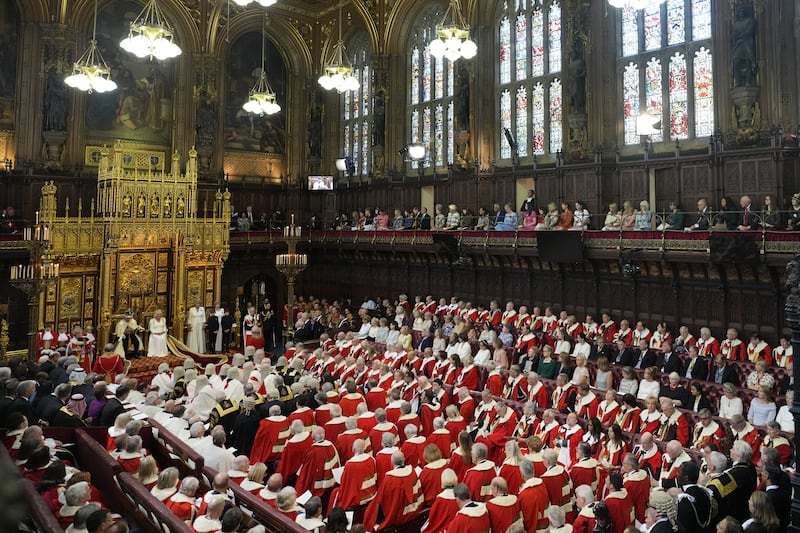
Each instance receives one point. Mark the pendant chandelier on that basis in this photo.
(90, 72)
(452, 36)
(261, 99)
(265, 3)
(150, 35)
(634, 4)
(338, 70)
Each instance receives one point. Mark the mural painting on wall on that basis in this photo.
(245, 131)
(9, 24)
(141, 107)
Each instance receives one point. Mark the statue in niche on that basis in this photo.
(154, 207)
(55, 102)
(206, 123)
(315, 131)
(168, 206)
(462, 99)
(141, 206)
(577, 77)
(379, 120)
(743, 45)
(126, 205)
(180, 207)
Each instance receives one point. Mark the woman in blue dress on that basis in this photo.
(509, 220)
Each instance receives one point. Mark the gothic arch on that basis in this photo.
(401, 21)
(32, 10)
(285, 37)
(187, 34)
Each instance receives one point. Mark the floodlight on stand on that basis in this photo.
(338, 72)
(452, 36)
(634, 4)
(416, 151)
(151, 35)
(341, 164)
(90, 72)
(647, 124)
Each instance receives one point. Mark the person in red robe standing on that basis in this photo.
(441, 438)
(509, 469)
(537, 393)
(344, 441)
(382, 426)
(455, 422)
(413, 447)
(109, 364)
(293, 451)
(619, 505)
(584, 502)
(444, 507)
(461, 458)
(637, 483)
(533, 499)
(336, 425)
(648, 455)
(431, 410)
(399, 497)
(430, 477)
(559, 486)
(271, 437)
(585, 470)
(569, 436)
(472, 517)
(479, 477)
(183, 503)
(358, 484)
(503, 508)
(375, 397)
(319, 460)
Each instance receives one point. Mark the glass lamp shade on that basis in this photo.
(150, 41)
(341, 164)
(416, 151)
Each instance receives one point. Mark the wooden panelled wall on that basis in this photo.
(695, 294)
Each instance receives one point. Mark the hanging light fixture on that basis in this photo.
(634, 4)
(338, 70)
(265, 3)
(261, 99)
(90, 73)
(150, 35)
(452, 36)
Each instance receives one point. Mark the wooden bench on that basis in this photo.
(189, 462)
(159, 518)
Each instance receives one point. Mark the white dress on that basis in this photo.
(197, 318)
(157, 343)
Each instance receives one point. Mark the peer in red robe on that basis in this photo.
(459, 463)
(455, 425)
(502, 428)
(443, 440)
(293, 452)
(304, 414)
(318, 462)
(270, 439)
(559, 486)
(444, 508)
(707, 431)
(585, 521)
(620, 509)
(649, 455)
(376, 433)
(533, 500)
(585, 471)
(637, 483)
(503, 508)
(345, 440)
(399, 498)
(537, 393)
(375, 398)
(430, 478)
(471, 518)
(358, 484)
(349, 402)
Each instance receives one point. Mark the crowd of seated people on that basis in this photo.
(466, 419)
(743, 215)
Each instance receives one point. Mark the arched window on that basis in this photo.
(666, 69)
(357, 108)
(431, 91)
(530, 92)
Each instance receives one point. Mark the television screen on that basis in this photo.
(320, 183)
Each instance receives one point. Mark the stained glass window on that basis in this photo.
(538, 119)
(703, 94)
(665, 59)
(505, 51)
(654, 95)
(505, 122)
(433, 86)
(678, 99)
(521, 116)
(630, 100)
(530, 100)
(357, 108)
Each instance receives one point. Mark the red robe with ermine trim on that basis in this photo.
(503, 511)
(533, 500)
(444, 508)
(358, 483)
(399, 500)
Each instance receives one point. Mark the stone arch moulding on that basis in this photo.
(32, 10)
(401, 20)
(285, 37)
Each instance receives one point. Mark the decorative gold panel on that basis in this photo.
(136, 272)
(194, 286)
(50, 313)
(162, 282)
(71, 297)
(89, 287)
(88, 311)
(131, 159)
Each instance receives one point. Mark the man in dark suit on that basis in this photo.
(748, 218)
(722, 372)
(695, 512)
(48, 406)
(644, 356)
(425, 342)
(7, 399)
(733, 488)
(499, 215)
(780, 497)
(668, 361)
(601, 349)
(528, 204)
(701, 220)
(22, 401)
(424, 220)
(114, 406)
(696, 366)
(624, 355)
